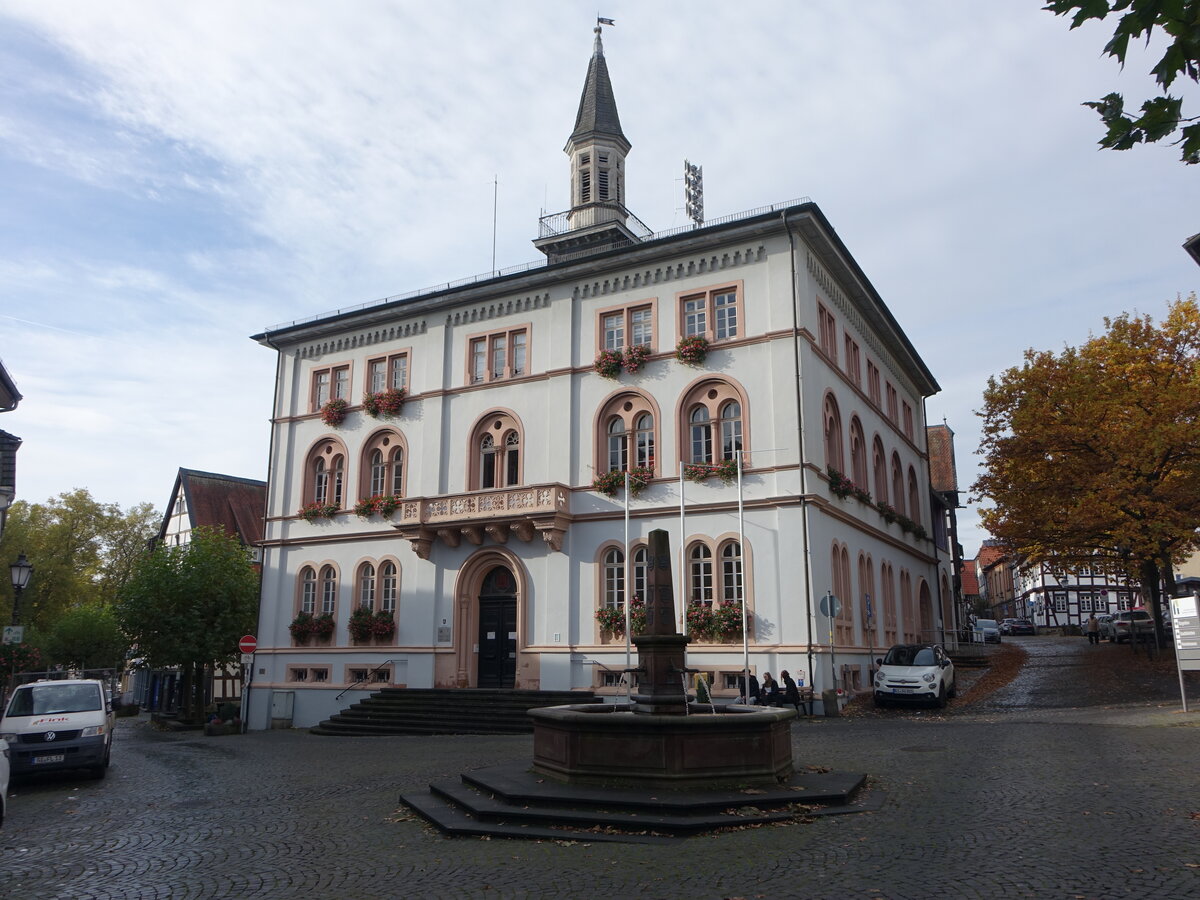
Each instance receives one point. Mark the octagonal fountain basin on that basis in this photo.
(710, 747)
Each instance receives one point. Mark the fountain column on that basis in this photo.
(662, 650)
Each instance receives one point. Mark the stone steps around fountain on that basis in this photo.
(401, 711)
(511, 801)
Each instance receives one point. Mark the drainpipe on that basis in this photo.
(808, 593)
(246, 682)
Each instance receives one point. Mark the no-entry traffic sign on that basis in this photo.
(248, 644)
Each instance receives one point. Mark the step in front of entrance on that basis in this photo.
(446, 711)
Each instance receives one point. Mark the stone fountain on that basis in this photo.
(660, 737)
(645, 771)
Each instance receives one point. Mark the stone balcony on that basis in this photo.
(522, 511)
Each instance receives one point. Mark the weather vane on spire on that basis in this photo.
(600, 20)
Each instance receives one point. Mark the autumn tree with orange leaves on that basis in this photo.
(1092, 456)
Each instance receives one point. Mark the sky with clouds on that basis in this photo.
(177, 177)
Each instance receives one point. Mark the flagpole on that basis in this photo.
(628, 598)
(742, 581)
(683, 598)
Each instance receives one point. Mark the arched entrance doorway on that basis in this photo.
(497, 659)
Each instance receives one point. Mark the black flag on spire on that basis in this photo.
(602, 21)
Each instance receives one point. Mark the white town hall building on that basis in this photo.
(477, 524)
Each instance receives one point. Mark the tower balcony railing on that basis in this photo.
(524, 511)
(589, 215)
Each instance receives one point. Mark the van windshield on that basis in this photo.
(45, 699)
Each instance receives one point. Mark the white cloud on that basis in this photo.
(184, 175)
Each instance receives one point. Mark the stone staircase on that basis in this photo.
(446, 711)
(510, 801)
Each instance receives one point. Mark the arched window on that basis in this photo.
(839, 565)
(308, 590)
(897, 483)
(328, 590)
(869, 610)
(914, 496)
(879, 463)
(512, 459)
(858, 455)
(388, 587)
(714, 422)
(731, 429)
(731, 573)
(891, 629)
(639, 572)
(907, 610)
(366, 586)
(497, 452)
(614, 577)
(383, 465)
(618, 445)
(325, 474)
(487, 461)
(833, 434)
(628, 424)
(701, 436)
(643, 438)
(700, 575)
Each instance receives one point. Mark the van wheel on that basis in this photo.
(99, 771)
(940, 702)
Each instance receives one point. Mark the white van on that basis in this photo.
(55, 725)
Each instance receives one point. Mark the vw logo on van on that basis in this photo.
(50, 735)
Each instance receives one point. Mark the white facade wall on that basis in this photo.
(557, 406)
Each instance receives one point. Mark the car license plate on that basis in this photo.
(41, 760)
(902, 690)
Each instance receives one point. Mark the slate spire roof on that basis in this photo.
(597, 106)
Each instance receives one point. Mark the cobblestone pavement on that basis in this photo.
(1000, 800)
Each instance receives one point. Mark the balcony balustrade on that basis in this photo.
(522, 511)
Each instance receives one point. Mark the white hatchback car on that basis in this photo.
(914, 672)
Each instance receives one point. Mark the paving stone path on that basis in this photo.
(1042, 798)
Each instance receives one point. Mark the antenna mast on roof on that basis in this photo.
(693, 186)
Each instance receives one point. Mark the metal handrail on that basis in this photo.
(535, 264)
(364, 678)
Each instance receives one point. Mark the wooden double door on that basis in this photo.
(497, 631)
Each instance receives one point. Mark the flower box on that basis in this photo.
(378, 504)
(608, 483)
(691, 351)
(699, 473)
(608, 363)
(384, 403)
(313, 511)
(333, 413)
(635, 357)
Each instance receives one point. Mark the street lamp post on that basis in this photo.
(21, 571)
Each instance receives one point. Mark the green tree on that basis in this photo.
(187, 606)
(1093, 455)
(81, 550)
(1178, 22)
(87, 637)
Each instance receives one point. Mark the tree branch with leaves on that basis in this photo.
(1178, 21)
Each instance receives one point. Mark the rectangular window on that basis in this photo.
(329, 384)
(499, 355)
(725, 316)
(853, 366)
(519, 353)
(641, 326)
(893, 403)
(873, 382)
(908, 420)
(695, 317)
(714, 314)
(602, 181)
(398, 365)
(585, 186)
(624, 327)
(827, 328)
(499, 348)
(387, 372)
(614, 332)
